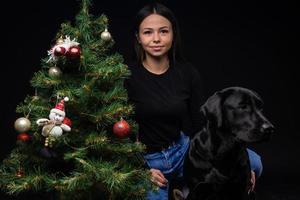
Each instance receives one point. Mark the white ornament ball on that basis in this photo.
(105, 35)
(22, 124)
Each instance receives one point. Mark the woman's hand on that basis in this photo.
(252, 180)
(158, 178)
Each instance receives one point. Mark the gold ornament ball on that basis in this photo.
(35, 98)
(105, 35)
(22, 124)
(54, 72)
(46, 142)
(60, 40)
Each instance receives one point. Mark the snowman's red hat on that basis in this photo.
(60, 107)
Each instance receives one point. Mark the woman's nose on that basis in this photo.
(156, 37)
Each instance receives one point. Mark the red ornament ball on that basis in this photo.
(121, 129)
(59, 51)
(20, 173)
(23, 137)
(74, 52)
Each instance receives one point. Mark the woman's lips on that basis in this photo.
(156, 48)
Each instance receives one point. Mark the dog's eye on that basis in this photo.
(243, 107)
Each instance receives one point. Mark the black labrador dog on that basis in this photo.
(217, 165)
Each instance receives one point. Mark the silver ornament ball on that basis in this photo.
(105, 35)
(54, 72)
(22, 124)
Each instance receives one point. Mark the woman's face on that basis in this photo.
(155, 35)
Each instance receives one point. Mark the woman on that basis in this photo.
(167, 94)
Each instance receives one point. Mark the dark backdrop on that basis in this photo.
(248, 43)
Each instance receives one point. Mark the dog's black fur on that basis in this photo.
(217, 165)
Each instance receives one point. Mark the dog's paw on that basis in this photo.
(178, 195)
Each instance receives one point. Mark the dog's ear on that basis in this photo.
(212, 109)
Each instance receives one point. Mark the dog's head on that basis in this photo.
(238, 111)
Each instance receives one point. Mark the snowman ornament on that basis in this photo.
(57, 122)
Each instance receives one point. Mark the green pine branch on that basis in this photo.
(89, 162)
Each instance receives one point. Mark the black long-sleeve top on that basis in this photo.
(165, 104)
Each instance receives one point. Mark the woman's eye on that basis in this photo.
(147, 32)
(164, 31)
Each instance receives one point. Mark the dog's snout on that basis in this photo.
(268, 128)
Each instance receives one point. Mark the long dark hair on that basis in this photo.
(174, 54)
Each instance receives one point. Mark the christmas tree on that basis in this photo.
(76, 133)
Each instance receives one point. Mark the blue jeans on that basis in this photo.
(255, 163)
(170, 163)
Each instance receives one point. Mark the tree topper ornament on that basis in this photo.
(61, 48)
(58, 121)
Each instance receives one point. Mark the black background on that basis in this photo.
(253, 44)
